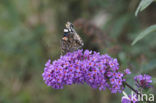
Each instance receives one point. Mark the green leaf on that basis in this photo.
(142, 5)
(144, 33)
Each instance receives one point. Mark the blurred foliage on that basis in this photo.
(142, 5)
(30, 32)
(144, 33)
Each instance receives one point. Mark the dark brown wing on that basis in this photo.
(70, 44)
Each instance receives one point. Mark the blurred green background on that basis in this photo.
(30, 33)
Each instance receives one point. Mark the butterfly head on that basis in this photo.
(68, 29)
(69, 25)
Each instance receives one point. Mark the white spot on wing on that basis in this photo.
(65, 30)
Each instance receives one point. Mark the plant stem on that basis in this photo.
(131, 88)
(134, 90)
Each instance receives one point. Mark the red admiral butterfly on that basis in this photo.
(71, 41)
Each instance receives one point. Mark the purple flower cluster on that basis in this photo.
(79, 67)
(143, 81)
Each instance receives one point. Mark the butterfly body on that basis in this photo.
(71, 41)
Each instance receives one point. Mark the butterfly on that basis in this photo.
(71, 41)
